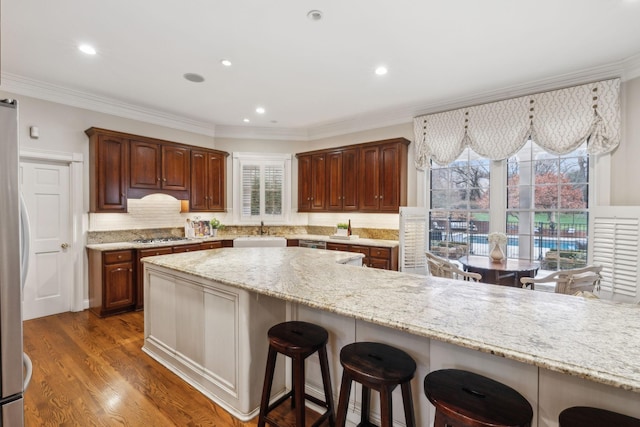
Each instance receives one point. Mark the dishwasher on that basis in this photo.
(315, 244)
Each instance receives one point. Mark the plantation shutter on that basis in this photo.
(614, 245)
(413, 229)
(250, 190)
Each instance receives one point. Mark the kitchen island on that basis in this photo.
(206, 316)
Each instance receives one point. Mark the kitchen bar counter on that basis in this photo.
(591, 339)
(133, 245)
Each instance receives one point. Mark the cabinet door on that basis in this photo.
(335, 194)
(350, 179)
(118, 286)
(175, 168)
(140, 276)
(369, 179)
(144, 165)
(304, 183)
(110, 175)
(198, 197)
(318, 182)
(389, 196)
(216, 182)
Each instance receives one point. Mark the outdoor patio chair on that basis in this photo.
(441, 267)
(570, 282)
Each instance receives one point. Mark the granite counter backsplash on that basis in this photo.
(96, 237)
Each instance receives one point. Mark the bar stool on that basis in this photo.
(583, 416)
(377, 367)
(465, 399)
(297, 340)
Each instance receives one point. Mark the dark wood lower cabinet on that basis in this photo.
(111, 282)
(374, 256)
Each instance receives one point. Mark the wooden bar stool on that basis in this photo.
(377, 367)
(465, 399)
(297, 340)
(583, 416)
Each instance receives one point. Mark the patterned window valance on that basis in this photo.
(559, 121)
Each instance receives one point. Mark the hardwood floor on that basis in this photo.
(89, 371)
(92, 372)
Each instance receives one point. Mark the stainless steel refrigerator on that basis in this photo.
(15, 367)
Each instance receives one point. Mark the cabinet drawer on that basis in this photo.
(337, 247)
(117, 256)
(211, 245)
(186, 248)
(360, 249)
(380, 252)
(154, 251)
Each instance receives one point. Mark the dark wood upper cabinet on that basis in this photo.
(370, 177)
(342, 185)
(108, 172)
(144, 161)
(312, 185)
(124, 165)
(175, 167)
(207, 180)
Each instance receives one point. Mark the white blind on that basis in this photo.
(615, 231)
(413, 229)
(273, 189)
(250, 190)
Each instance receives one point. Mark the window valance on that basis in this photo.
(558, 120)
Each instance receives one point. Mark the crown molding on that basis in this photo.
(626, 69)
(266, 133)
(75, 98)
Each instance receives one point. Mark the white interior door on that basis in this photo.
(49, 284)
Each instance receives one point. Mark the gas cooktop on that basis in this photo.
(160, 240)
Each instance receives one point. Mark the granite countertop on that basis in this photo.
(132, 245)
(594, 339)
(359, 241)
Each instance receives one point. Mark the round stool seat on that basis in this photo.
(299, 338)
(583, 416)
(469, 399)
(378, 367)
(377, 363)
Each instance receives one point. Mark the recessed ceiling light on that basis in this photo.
(226, 62)
(314, 15)
(193, 77)
(246, 120)
(381, 70)
(260, 110)
(88, 49)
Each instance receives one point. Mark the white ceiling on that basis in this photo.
(308, 75)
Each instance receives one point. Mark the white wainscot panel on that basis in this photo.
(559, 391)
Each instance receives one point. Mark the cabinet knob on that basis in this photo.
(131, 270)
(121, 194)
(119, 256)
(164, 179)
(159, 179)
(64, 245)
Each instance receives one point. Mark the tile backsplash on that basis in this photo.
(162, 212)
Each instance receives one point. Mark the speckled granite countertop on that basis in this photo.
(363, 242)
(132, 245)
(593, 339)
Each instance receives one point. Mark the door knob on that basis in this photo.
(64, 245)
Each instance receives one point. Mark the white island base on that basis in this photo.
(214, 336)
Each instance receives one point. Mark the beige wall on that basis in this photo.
(625, 160)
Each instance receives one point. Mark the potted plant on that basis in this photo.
(342, 229)
(215, 226)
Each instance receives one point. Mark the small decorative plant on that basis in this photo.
(343, 225)
(342, 229)
(216, 224)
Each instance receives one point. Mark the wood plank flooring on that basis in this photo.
(89, 371)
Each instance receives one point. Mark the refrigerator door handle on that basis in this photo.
(25, 239)
(28, 370)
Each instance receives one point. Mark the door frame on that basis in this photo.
(75, 161)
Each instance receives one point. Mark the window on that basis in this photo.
(262, 189)
(547, 207)
(459, 205)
